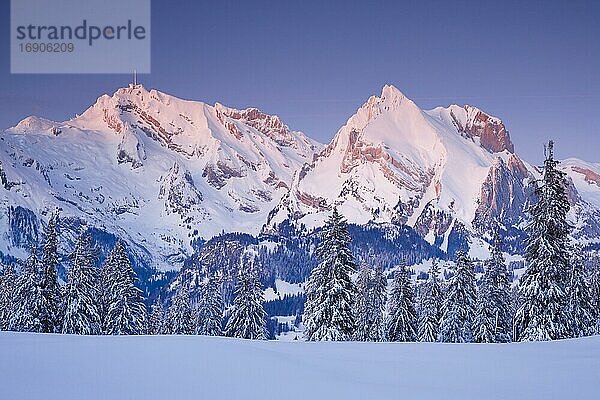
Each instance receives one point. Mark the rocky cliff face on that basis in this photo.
(474, 123)
(504, 194)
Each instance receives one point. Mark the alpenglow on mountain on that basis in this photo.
(150, 168)
(164, 173)
(448, 173)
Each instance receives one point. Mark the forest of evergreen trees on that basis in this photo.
(555, 298)
(106, 301)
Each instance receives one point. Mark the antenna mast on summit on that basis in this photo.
(135, 77)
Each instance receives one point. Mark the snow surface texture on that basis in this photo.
(67, 367)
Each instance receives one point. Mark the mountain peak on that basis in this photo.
(390, 100)
(391, 92)
(33, 124)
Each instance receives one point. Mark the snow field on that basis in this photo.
(65, 367)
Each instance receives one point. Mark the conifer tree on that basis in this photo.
(493, 322)
(80, 302)
(210, 308)
(581, 308)
(595, 296)
(8, 283)
(516, 300)
(180, 317)
(370, 305)
(484, 324)
(430, 310)
(50, 318)
(108, 276)
(459, 304)
(362, 304)
(28, 305)
(328, 313)
(544, 314)
(248, 318)
(379, 300)
(156, 320)
(402, 319)
(125, 310)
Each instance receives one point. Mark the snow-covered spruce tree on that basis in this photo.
(50, 318)
(210, 308)
(181, 317)
(330, 291)
(459, 304)
(156, 319)
(8, 283)
(370, 305)
(430, 310)
(493, 322)
(379, 300)
(544, 314)
(595, 295)
(516, 300)
(402, 318)
(248, 318)
(502, 292)
(109, 276)
(80, 300)
(125, 310)
(484, 324)
(362, 305)
(581, 309)
(28, 304)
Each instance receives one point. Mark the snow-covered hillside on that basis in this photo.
(153, 169)
(441, 171)
(68, 367)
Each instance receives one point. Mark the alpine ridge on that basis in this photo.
(450, 173)
(158, 171)
(165, 174)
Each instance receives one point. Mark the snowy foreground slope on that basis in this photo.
(194, 367)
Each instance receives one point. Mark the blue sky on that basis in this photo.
(535, 65)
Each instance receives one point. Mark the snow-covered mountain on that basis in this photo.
(164, 173)
(153, 169)
(447, 172)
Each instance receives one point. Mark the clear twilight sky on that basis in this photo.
(535, 64)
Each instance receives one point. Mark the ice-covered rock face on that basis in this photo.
(151, 168)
